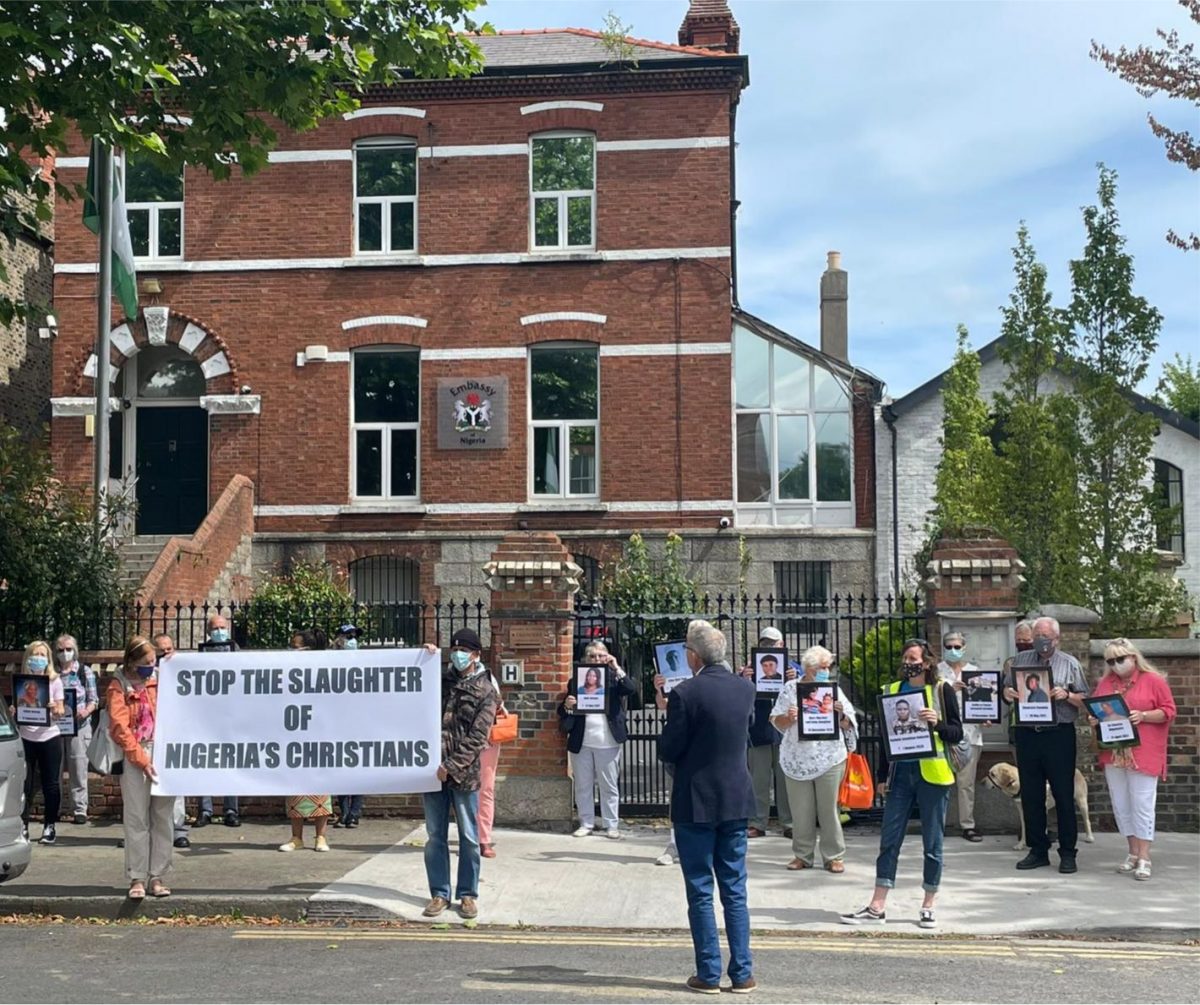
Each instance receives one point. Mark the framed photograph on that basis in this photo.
(670, 659)
(590, 692)
(31, 699)
(907, 737)
(1034, 705)
(980, 696)
(66, 723)
(818, 720)
(769, 665)
(1114, 729)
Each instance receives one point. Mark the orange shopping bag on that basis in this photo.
(857, 791)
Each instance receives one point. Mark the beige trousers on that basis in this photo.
(964, 782)
(815, 802)
(149, 827)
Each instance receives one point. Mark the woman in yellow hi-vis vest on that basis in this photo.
(925, 783)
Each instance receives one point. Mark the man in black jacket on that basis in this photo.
(711, 800)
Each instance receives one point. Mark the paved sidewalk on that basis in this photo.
(554, 880)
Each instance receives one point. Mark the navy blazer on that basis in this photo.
(617, 694)
(705, 738)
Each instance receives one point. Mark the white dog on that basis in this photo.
(1005, 778)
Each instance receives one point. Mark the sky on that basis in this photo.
(914, 138)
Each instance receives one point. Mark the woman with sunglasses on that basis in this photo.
(925, 784)
(1132, 773)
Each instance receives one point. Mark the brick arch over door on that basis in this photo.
(194, 337)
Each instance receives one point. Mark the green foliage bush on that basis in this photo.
(875, 655)
(307, 597)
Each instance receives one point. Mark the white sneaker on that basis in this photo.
(1129, 864)
(1143, 869)
(581, 832)
(613, 834)
(295, 844)
(926, 918)
(667, 857)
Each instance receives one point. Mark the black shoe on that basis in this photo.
(1033, 861)
(352, 822)
(231, 819)
(25, 831)
(120, 842)
(787, 833)
(182, 842)
(81, 818)
(972, 835)
(338, 822)
(1066, 864)
(203, 820)
(48, 835)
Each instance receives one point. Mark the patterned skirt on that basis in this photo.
(309, 807)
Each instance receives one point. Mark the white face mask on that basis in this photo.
(1124, 667)
(65, 656)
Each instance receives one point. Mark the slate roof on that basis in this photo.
(571, 46)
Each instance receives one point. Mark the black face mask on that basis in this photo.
(911, 670)
(1024, 647)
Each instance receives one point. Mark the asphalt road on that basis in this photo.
(150, 963)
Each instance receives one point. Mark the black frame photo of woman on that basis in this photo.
(1114, 727)
(31, 699)
(773, 684)
(1034, 705)
(817, 720)
(67, 723)
(589, 699)
(981, 696)
(906, 736)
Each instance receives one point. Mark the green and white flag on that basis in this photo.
(124, 276)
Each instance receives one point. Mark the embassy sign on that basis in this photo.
(472, 413)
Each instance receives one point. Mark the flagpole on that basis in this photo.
(103, 333)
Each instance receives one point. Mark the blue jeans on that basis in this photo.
(350, 808)
(705, 850)
(906, 789)
(228, 802)
(437, 848)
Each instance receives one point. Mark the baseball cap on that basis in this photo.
(467, 639)
(348, 630)
(771, 635)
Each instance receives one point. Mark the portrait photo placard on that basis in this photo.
(981, 696)
(31, 699)
(1114, 727)
(66, 723)
(769, 665)
(907, 737)
(818, 719)
(590, 693)
(1034, 705)
(670, 659)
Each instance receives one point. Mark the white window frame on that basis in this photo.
(563, 195)
(154, 208)
(564, 427)
(776, 503)
(387, 201)
(385, 428)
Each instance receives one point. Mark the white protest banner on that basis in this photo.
(288, 722)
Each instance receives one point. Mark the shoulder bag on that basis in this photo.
(103, 754)
(958, 755)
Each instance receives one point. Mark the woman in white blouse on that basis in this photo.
(813, 769)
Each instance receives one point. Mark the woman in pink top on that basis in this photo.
(1132, 773)
(43, 747)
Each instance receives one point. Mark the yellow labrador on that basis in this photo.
(1004, 777)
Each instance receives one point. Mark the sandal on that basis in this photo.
(796, 864)
(159, 889)
(837, 865)
(137, 890)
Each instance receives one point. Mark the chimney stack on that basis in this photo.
(709, 24)
(835, 323)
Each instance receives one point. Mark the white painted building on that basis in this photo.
(909, 431)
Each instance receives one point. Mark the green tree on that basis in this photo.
(1035, 484)
(1113, 336)
(53, 578)
(1179, 387)
(306, 597)
(964, 491)
(130, 73)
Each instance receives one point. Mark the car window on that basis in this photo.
(7, 730)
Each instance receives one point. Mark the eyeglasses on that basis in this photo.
(1117, 659)
(923, 643)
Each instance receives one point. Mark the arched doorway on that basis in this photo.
(163, 437)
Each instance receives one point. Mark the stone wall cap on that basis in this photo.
(1151, 648)
(1066, 614)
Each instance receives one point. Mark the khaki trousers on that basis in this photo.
(815, 802)
(148, 827)
(964, 783)
(764, 767)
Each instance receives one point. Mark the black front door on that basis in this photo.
(172, 469)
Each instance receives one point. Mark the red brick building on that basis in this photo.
(474, 306)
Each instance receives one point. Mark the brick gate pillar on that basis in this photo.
(533, 579)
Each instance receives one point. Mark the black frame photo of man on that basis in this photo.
(907, 737)
(777, 658)
(981, 696)
(670, 659)
(1038, 711)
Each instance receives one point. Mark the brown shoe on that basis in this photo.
(744, 987)
(754, 832)
(435, 907)
(701, 987)
(797, 864)
(468, 908)
(487, 850)
(837, 865)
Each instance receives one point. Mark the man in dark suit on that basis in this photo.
(712, 799)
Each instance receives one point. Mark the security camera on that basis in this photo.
(245, 389)
(51, 321)
(724, 523)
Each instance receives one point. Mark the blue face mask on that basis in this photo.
(38, 664)
(460, 660)
(145, 670)
(219, 635)
(954, 655)
(821, 675)
(351, 644)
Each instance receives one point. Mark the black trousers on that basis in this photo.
(46, 756)
(1048, 756)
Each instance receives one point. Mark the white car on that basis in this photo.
(14, 845)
